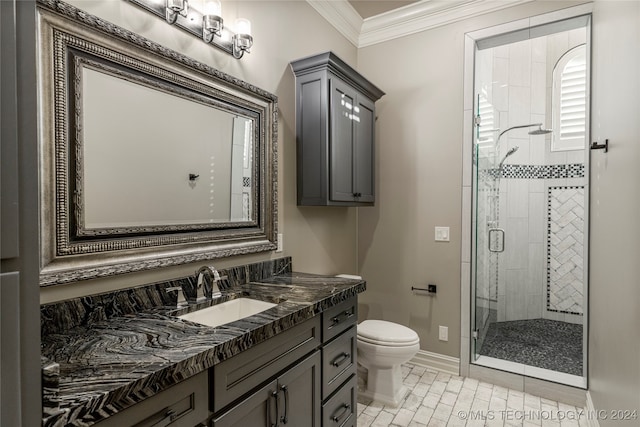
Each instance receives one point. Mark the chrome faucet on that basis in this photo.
(202, 291)
(181, 300)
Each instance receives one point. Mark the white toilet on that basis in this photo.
(382, 348)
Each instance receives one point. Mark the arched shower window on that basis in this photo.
(569, 101)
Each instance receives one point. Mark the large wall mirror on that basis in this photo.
(148, 157)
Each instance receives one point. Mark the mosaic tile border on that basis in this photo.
(561, 187)
(571, 170)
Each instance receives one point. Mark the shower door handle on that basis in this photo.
(499, 240)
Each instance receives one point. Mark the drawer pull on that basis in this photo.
(340, 359)
(339, 318)
(285, 390)
(346, 408)
(272, 394)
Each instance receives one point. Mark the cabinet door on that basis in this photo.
(343, 102)
(257, 410)
(293, 400)
(300, 399)
(363, 152)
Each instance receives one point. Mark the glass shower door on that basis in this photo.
(530, 186)
(488, 237)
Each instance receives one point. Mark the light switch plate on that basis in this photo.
(280, 243)
(443, 333)
(442, 234)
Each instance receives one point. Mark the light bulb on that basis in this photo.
(243, 26)
(212, 7)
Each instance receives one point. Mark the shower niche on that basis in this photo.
(530, 202)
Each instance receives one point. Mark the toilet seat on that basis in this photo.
(389, 344)
(388, 334)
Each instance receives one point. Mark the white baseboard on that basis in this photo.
(438, 362)
(592, 421)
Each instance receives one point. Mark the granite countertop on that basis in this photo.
(94, 370)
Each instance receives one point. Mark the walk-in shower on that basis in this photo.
(529, 190)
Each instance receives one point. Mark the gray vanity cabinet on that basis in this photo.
(339, 365)
(304, 377)
(335, 122)
(274, 383)
(291, 399)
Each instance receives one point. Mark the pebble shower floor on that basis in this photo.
(437, 399)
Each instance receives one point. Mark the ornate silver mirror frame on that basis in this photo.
(70, 39)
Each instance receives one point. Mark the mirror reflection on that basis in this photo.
(141, 170)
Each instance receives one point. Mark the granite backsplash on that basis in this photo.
(62, 316)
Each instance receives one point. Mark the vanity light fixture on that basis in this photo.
(174, 8)
(242, 40)
(212, 22)
(203, 18)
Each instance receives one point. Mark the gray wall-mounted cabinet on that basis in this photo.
(335, 127)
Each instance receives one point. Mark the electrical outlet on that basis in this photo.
(443, 333)
(280, 244)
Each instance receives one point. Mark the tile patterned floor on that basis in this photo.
(437, 399)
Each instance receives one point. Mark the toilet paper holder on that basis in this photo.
(430, 289)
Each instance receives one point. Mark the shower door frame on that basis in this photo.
(509, 372)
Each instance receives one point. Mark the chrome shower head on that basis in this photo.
(540, 131)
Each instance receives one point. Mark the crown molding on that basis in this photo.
(410, 19)
(342, 16)
(425, 15)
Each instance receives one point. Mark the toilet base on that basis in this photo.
(385, 386)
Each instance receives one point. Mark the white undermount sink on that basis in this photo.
(228, 312)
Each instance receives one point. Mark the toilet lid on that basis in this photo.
(380, 331)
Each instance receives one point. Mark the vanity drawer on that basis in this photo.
(338, 361)
(340, 410)
(183, 405)
(240, 374)
(339, 318)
